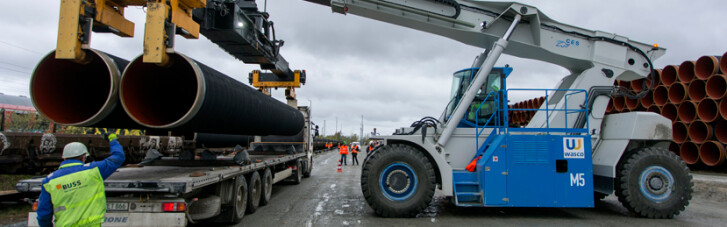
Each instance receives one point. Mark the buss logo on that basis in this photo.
(573, 148)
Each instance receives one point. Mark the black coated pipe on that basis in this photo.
(80, 94)
(209, 140)
(189, 96)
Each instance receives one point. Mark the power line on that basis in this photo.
(9, 69)
(19, 66)
(22, 48)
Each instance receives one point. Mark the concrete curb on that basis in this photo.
(710, 187)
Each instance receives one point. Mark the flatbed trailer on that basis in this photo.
(168, 195)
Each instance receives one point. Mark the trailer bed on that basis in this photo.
(173, 179)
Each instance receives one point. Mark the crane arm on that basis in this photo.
(595, 58)
(481, 24)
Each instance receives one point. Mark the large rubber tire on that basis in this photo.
(298, 174)
(654, 183)
(308, 168)
(267, 184)
(254, 192)
(235, 212)
(398, 181)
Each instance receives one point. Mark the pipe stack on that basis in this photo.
(524, 111)
(183, 96)
(692, 95)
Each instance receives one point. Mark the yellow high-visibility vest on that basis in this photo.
(78, 198)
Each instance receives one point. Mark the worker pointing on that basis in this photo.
(75, 192)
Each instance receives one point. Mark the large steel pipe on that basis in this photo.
(633, 104)
(637, 85)
(189, 96)
(677, 93)
(654, 109)
(720, 131)
(706, 66)
(648, 100)
(689, 152)
(697, 91)
(669, 75)
(712, 153)
(655, 76)
(699, 132)
(708, 110)
(661, 95)
(674, 147)
(687, 112)
(723, 63)
(723, 109)
(619, 103)
(609, 107)
(209, 140)
(679, 132)
(80, 94)
(686, 72)
(670, 111)
(717, 86)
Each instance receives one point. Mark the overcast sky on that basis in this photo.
(357, 67)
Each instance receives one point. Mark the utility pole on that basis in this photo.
(339, 135)
(324, 128)
(362, 137)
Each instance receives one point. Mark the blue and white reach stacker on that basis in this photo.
(569, 153)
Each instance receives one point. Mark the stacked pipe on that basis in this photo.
(523, 112)
(692, 95)
(183, 96)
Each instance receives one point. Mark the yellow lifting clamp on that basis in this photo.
(79, 17)
(163, 17)
(265, 81)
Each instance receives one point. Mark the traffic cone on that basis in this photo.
(339, 166)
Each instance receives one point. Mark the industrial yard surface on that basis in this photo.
(330, 198)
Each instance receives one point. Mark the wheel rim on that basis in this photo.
(256, 191)
(398, 182)
(268, 184)
(241, 196)
(656, 183)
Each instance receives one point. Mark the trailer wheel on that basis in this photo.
(254, 191)
(237, 211)
(267, 187)
(398, 181)
(298, 176)
(654, 183)
(308, 168)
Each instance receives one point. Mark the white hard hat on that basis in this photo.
(74, 149)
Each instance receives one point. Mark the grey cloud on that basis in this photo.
(389, 74)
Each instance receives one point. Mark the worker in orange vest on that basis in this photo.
(354, 151)
(343, 151)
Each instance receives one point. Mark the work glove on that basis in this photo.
(109, 136)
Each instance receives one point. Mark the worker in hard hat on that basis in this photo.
(343, 151)
(75, 192)
(354, 154)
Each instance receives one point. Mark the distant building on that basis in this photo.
(10, 102)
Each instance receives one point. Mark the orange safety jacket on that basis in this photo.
(371, 147)
(354, 149)
(344, 150)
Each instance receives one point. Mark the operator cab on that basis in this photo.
(461, 81)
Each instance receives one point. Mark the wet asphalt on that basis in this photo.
(331, 198)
